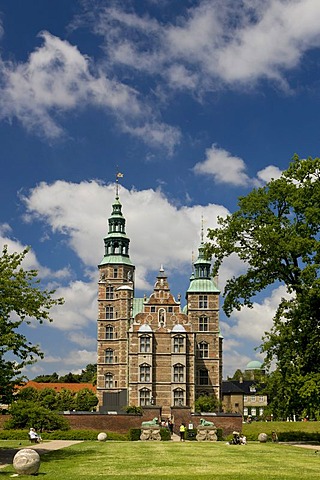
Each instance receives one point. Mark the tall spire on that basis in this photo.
(116, 243)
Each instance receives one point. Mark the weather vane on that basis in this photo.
(118, 175)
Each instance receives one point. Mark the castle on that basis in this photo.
(151, 351)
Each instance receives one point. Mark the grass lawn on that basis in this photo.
(177, 461)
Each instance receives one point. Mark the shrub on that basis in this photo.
(191, 434)
(165, 434)
(28, 414)
(220, 434)
(134, 434)
(61, 435)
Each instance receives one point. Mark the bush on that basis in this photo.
(134, 434)
(133, 409)
(27, 414)
(61, 435)
(220, 434)
(165, 434)
(191, 434)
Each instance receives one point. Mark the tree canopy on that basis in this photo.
(275, 232)
(21, 300)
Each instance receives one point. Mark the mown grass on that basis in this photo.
(286, 431)
(177, 461)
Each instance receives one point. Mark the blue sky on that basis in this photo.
(195, 102)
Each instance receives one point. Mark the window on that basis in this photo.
(260, 412)
(145, 344)
(203, 324)
(152, 309)
(178, 373)
(109, 355)
(253, 398)
(115, 272)
(108, 380)
(178, 344)
(109, 332)
(109, 313)
(261, 398)
(245, 411)
(203, 301)
(145, 372)
(203, 377)
(245, 398)
(178, 397)
(170, 309)
(253, 412)
(109, 293)
(203, 350)
(145, 395)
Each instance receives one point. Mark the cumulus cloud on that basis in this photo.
(223, 167)
(252, 323)
(226, 168)
(30, 261)
(58, 78)
(204, 47)
(85, 226)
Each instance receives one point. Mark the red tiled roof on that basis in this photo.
(74, 387)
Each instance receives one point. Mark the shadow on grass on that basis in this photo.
(7, 455)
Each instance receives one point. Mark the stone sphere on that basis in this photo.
(263, 437)
(102, 437)
(26, 461)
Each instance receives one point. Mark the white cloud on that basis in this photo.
(223, 167)
(79, 309)
(30, 261)
(217, 43)
(252, 323)
(173, 233)
(58, 78)
(269, 173)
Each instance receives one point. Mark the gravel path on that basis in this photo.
(7, 454)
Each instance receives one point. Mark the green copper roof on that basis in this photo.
(137, 306)
(112, 259)
(199, 285)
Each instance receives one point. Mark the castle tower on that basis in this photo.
(115, 297)
(203, 312)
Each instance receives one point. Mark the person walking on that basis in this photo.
(182, 432)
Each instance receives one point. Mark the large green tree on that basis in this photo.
(275, 232)
(22, 299)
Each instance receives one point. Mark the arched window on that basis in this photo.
(203, 350)
(108, 380)
(109, 313)
(109, 355)
(203, 377)
(145, 396)
(145, 372)
(109, 332)
(145, 344)
(178, 344)
(203, 324)
(178, 373)
(178, 397)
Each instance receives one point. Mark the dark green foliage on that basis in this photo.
(87, 375)
(62, 435)
(206, 403)
(191, 434)
(26, 414)
(275, 232)
(21, 300)
(220, 434)
(133, 409)
(165, 434)
(134, 434)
